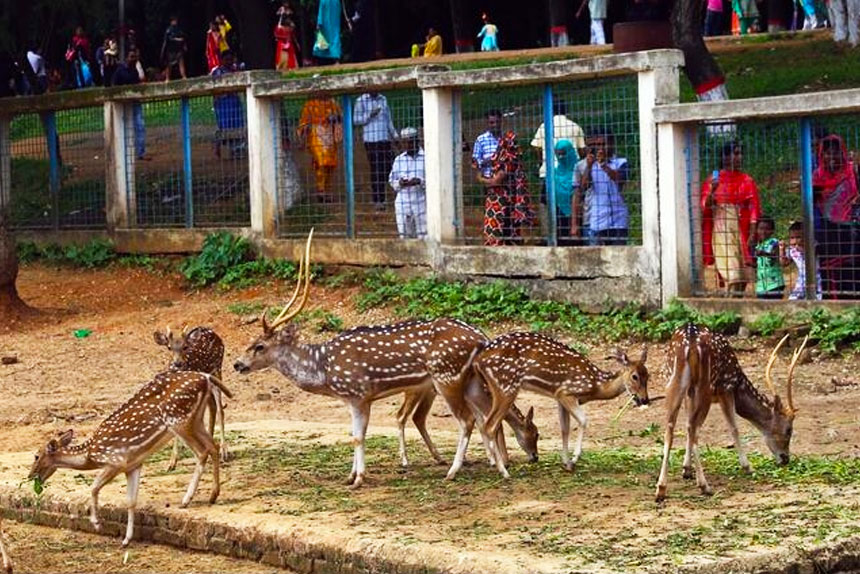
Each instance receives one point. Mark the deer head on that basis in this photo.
(635, 375)
(262, 352)
(44, 464)
(527, 436)
(777, 435)
(175, 345)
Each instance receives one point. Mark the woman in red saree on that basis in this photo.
(321, 129)
(507, 207)
(286, 48)
(213, 47)
(730, 210)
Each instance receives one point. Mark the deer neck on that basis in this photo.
(76, 457)
(609, 385)
(753, 406)
(304, 365)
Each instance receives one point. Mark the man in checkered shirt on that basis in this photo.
(407, 179)
(486, 144)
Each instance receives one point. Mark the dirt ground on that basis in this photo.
(292, 448)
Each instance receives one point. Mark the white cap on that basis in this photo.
(408, 133)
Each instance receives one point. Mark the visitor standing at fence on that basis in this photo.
(486, 144)
(834, 185)
(747, 12)
(213, 47)
(714, 17)
(606, 174)
(407, 179)
(229, 113)
(810, 18)
(488, 35)
(582, 194)
(126, 75)
(564, 178)
(321, 130)
(327, 41)
(224, 28)
(844, 16)
(507, 205)
(78, 56)
(433, 47)
(39, 85)
(769, 282)
(371, 112)
(797, 254)
(597, 12)
(730, 210)
(286, 47)
(173, 49)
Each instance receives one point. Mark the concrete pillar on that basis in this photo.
(439, 149)
(263, 141)
(675, 224)
(121, 210)
(656, 87)
(5, 162)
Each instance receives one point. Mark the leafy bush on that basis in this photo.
(835, 331)
(221, 252)
(93, 254)
(253, 272)
(767, 324)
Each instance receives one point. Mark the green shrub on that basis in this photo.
(221, 252)
(835, 331)
(767, 324)
(254, 272)
(93, 254)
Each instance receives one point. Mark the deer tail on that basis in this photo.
(217, 382)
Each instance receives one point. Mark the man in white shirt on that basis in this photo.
(37, 63)
(407, 179)
(372, 114)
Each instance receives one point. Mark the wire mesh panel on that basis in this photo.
(379, 119)
(311, 167)
(154, 155)
(507, 212)
(219, 160)
(81, 166)
(746, 204)
(32, 203)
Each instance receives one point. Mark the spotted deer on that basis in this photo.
(199, 349)
(366, 364)
(7, 561)
(538, 363)
(703, 369)
(172, 404)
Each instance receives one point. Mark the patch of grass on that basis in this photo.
(221, 252)
(246, 307)
(834, 331)
(323, 321)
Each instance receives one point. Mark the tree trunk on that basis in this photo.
(461, 13)
(558, 23)
(256, 20)
(11, 304)
(700, 66)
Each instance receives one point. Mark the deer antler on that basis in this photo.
(767, 378)
(304, 268)
(794, 358)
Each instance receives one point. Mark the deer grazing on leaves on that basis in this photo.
(172, 404)
(703, 369)
(541, 364)
(366, 364)
(201, 350)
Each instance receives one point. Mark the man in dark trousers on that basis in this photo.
(127, 74)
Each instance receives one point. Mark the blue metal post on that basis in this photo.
(349, 172)
(188, 179)
(54, 166)
(807, 204)
(549, 160)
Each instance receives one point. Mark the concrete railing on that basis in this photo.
(589, 275)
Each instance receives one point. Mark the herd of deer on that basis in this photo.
(478, 378)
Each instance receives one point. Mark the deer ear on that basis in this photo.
(644, 356)
(621, 357)
(66, 437)
(777, 404)
(288, 333)
(530, 415)
(160, 338)
(52, 446)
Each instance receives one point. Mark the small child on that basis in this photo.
(795, 253)
(769, 283)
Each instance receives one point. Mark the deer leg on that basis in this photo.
(218, 403)
(688, 453)
(195, 435)
(410, 401)
(7, 562)
(493, 426)
(174, 458)
(727, 404)
(696, 419)
(674, 398)
(564, 424)
(105, 477)
(360, 418)
(132, 479)
(419, 418)
(571, 404)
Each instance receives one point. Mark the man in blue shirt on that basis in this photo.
(126, 74)
(605, 176)
(372, 113)
(486, 144)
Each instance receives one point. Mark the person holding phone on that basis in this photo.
(605, 175)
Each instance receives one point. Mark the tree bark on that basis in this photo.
(700, 66)
(256, 19)
(11, 304)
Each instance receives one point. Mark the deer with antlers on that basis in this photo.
(531, 361)
(199, 349)
(172, 404)
(366, 364)
(703, 369)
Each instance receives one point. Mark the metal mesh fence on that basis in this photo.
(58, 169)
(751, 235)
(597, 117)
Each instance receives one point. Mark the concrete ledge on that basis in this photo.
(749, 308)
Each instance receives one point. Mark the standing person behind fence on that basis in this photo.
(748, 14)
(327, 43)
(126, 74)
(286, 46)
(564, 178)
(597, 12)
(486, 144)
(213, 47)
(844, 16)
(321, 129)
(507, 205)
(488, 35)
(606, 175)
(39, 85)
(173, 49)
(713, 17)
(795, 253)
(769, 282)
(229, 112)
(583, 190)
(730, 210)
(371, 112)
(407, 179)
(433, 46)
(224, 28)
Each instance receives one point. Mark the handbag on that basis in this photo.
(321, 44)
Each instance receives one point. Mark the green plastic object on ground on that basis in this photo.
(81, 333)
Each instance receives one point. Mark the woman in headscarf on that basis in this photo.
(565, 164)
(321, 128)
(507, 207)
(730, 210)
(834, 184)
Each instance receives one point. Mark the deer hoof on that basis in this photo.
(359, 479)
(706, 490)
(96, 525)
(126, 542)
(661, 494)
(569, 466)
(214, 496)
(688, 473)
(746, 469)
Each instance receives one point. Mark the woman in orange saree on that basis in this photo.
(321, 129)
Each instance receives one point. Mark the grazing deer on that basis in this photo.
(366, 364)
(201, 350)
(548, 367)
(703, 369)
(7, 562)
(172, 404)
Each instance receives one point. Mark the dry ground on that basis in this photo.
(292, 449)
